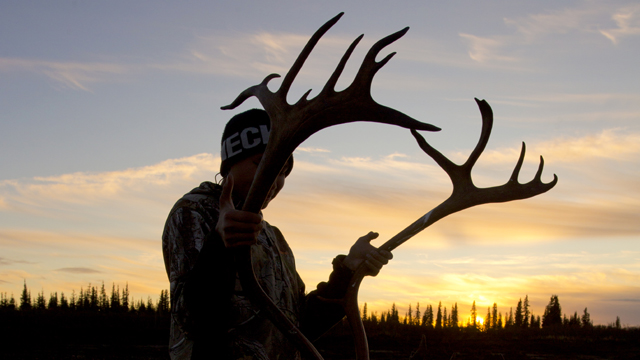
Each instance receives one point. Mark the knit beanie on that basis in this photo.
(245, 135)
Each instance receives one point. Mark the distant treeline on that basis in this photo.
(90, 299)
(94, 299)
(522, 317)
(94, 323)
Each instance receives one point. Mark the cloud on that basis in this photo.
(42, 194)
(254, 55)
(620, 145)
(487, 50)
(561, 21)
(627, 20)
(516, 50)
(78, 270)
(5, 261)
(68, 75)
(311, 150)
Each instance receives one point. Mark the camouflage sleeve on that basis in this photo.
(319, 316)
(183, 238)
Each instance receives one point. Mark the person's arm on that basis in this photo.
(319, 316)
(210, 284)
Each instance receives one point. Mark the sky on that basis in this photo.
(110, 112)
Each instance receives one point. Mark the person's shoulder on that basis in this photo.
(205, 190)
(206, 195)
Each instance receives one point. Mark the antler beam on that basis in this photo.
(292, 124)
(465, 195)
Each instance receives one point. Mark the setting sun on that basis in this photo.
(479, 320)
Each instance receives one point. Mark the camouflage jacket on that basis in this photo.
(210, 315)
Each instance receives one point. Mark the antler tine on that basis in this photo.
(333, 80)
(516, 169)
(304, 54)
(436, 155)
(369, 65)
(487, 125)
(255, 90)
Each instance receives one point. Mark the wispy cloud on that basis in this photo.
(68, 75)
(585, 20)
(78, 270)
(609, 144)
(486, 50)
(562, 21)
(255, 55)
(89, 189)
(311, 150)
(627, 20)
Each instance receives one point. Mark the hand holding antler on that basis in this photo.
(363, 252)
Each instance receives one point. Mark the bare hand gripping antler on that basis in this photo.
(292, 124)
(465, 195)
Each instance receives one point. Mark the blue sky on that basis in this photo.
(110, 111)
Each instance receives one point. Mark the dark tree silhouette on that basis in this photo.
(41, 303)
(487, 319)
(454, 316)
(525, 312)
(494, 316)
(519, 314)
(474, 314)
(586, 319)
(64, 304)
(552, 313)
(25, 298)
(53, 301)
(439, 316)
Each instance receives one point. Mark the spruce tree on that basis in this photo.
(53, 301)
(454, 316)
(12, 303)
(445, 318)
(64, 304)
(125, 298)
(586, 319)
(103, 301)
(364, 312)
(519, 322)
(474, 314)
(72, 301)
(163, 302)
(552, 313)
(439, 316)
(41, 303)
(487, 319)
(417, 318)
(525, 312)
(115, 298)
(494, 316)
(25, 298)
(428, 317)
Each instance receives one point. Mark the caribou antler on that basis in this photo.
(465, 195)
(292, 124)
